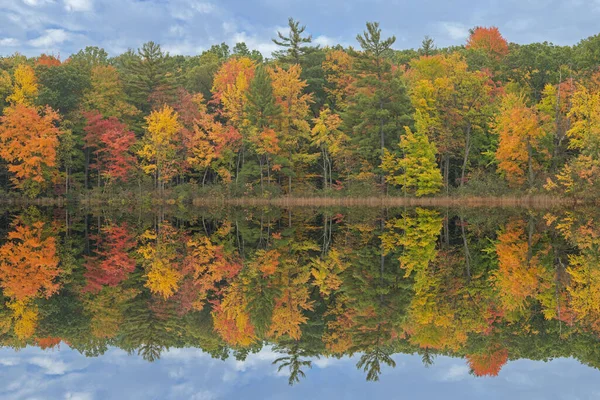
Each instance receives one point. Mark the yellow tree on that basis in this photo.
(331, 140)
(25, 317)
(210, 143)
(292, 125)
(159, 150)
(580, 175)
(231, 85)
(25, 87)
(230, 90)
(231, 317)
(340, 80)
(453, 101)
(521, 146)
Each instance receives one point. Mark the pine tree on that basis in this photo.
(295, 46)
(380, 103)
(147, 73)
(427, 46)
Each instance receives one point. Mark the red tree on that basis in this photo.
(111, 141)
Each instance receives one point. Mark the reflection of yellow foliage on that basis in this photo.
(585, 285)
(288, 314)
(162, 279)
(25, 316)
(231, 318)
(326, 272)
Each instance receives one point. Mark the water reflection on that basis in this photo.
(485, 286)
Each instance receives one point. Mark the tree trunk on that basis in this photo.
(466, 157)
(530, 163)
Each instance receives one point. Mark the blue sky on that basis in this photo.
(190, 374)
(191, 26)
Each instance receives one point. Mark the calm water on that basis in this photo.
(341, 303)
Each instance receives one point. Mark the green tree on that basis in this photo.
(381, 104)
(295, 46)
(146, 73)
(416, 170)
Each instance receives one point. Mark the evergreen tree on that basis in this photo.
(262, 110)
(145, 74)
(427, 46)
(381, 104)
(295, 46)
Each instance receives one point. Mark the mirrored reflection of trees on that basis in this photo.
(488, 287)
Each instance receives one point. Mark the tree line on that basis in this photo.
(487, 116)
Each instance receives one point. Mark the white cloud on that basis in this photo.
(9, 362)
(324, 41)
(325, 362)
(456, 373)
(78, 5)
(50, 366)
(177, 30)
(187, 10)
(230, 26)
(266, 47)
(202, 8)
(79, 396)
(455, 30)
(51, 37)
(8, 42)
(35, 3)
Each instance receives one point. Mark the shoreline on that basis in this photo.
(532, 201)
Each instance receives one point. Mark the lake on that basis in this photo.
(298, 303)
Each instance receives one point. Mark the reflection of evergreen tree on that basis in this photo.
(293, 360)
(371, 361)
(150, 327)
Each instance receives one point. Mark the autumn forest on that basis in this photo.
(487, 117)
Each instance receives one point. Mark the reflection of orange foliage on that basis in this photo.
(48, 342)
(338, 338)
(267, 261)
(288, 313)
(231, 319)
(519, 270)
(489, 363)
(205, 267)
(29, 263)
